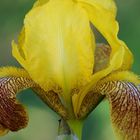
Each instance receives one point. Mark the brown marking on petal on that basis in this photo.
(124, 98)
(89, 103)
(12, 114)
(102, 55)
(53, 101)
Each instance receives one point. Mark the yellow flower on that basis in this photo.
(64, 65)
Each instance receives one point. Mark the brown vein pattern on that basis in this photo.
(92, 99)
(124, 98)
(102, 56)
(12, 114)
(53, 101)
(89, 103)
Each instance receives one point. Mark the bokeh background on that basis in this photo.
(43, 122)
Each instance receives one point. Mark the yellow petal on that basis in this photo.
(106, 4)
(102, 15)
(13, 71)
(18, 50)
(78, 98)
(58, 45)
(123, 76)
(92, 99)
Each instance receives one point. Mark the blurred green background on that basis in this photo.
(44, 122)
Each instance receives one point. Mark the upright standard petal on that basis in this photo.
(102, 14)
(58, 46)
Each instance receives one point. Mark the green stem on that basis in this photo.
(76, 127)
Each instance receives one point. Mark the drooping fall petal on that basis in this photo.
(12, 80)
(12, 114)
(124, 99)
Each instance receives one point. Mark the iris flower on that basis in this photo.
(68, 70)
